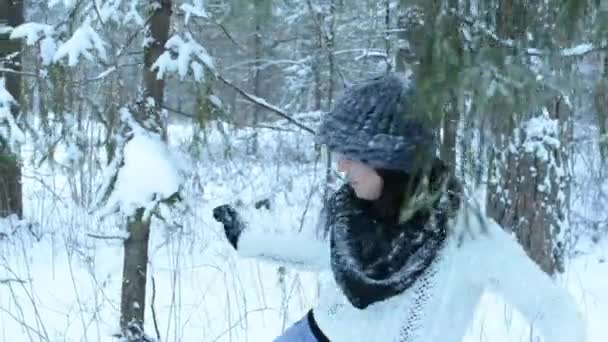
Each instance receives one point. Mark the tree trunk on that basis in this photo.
(317, 69)
(412, 36)
(450, 127)
(257, 74)
(133, 297)
(11, 201)
(330, 45)
(527, 189)
(601, 109)
(135, 269)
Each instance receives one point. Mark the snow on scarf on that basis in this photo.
(373, 260)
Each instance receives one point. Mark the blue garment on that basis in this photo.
(304, 330)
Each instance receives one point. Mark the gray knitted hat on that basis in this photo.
(374, 123)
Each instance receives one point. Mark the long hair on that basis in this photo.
(400, 188)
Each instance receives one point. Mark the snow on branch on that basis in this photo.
(580, 50)
(66, 3)
(34, 33)
(9, 131)
(5, 29)
(82, 43)
(190, 54)
(261, 102)
(196, 9)
(128, 183)
(133, 15)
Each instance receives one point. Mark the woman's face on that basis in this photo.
(364, 180)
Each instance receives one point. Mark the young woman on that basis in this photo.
(409, 257)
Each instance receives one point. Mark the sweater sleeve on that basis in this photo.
(304, 250)
(548, 307)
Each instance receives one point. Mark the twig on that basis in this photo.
(192, 116)
(239, 321)
(263, 103)
(25, 325)
(12, 280)
(106, 237)
(13, 71)
(75, 287)
(225, 31)
(153, 309)
(177, 111)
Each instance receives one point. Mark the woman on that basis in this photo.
(409, 258)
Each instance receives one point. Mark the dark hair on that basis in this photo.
(398, 187)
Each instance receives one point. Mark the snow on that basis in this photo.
(216, 101)
(541, 133)
(38, 33)
(32, 32)
(133, 15)
(48, 48)
(196, 9)
(4, 29)
(204, 291)
(190, 55)
(105, 73)
(84, 41)
(8, 126)
(148, 174)
(109, 10)
(578, 50)
(66, 3)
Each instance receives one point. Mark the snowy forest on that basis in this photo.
(123, 123)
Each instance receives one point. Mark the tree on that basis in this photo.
(503, 64)
(601, 109)
(11, 202)
(148, 116)
(529, 179)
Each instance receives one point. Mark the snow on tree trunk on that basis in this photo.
(11, 202)
(528, 189)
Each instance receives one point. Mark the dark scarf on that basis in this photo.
(373, 260)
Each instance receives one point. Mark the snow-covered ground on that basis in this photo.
(61, 279)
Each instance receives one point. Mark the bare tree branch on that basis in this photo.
(106, 237)
(12, 280)
(154, 319)
(192, 116)
(13, 71)
(263, 103)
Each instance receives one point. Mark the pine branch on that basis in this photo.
(579, 50)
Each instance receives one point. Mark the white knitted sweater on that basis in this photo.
(478, 256)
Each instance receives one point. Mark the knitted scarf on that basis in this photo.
(372, 260)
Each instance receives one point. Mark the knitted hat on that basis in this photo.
(374, 123)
